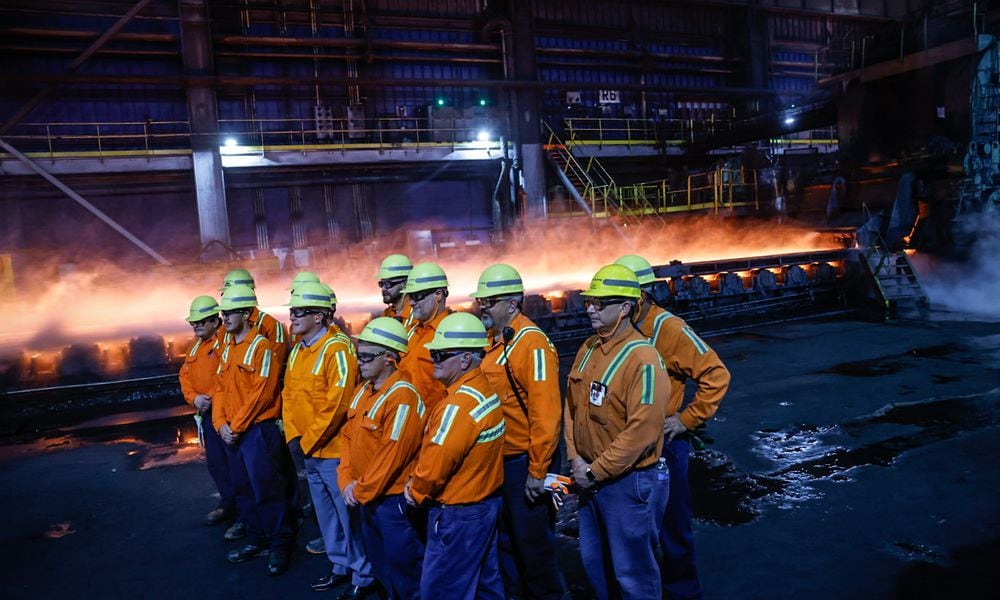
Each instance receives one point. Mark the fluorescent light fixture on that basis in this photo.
(483, 136)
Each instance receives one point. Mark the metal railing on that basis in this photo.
(171, 137)
(628, 132)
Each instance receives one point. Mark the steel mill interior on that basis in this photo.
(815, 184)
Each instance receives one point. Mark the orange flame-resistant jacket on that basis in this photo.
(461, 457)
(200, 367)
(417, 362)
(319, 382)
(381, 438)
(270, 328)
(246, 389)
(616, 401)
(534, 366)
(404, 316)
(686, 356)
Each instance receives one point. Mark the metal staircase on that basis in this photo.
(593, 188)
(893, 279)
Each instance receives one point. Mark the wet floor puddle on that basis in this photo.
(807, 454)
(890, 365)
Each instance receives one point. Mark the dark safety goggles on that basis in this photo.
(439, 356)
(367, 357)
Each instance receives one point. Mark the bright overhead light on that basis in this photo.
(231, 142)
(789, 120)
(483, 136)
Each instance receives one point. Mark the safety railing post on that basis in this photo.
(100, 148)
(48, 138)
(145, 136)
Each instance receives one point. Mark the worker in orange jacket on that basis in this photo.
(265, 324)
(392, 275)
(522, 365)
(245, 413)
(427, 291)
(320, 379)
(197, 378)
(616, 402)
(459, 470)
(687, 357)
(384, 428)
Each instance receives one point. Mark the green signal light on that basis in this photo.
(440, 101)
(482, 103)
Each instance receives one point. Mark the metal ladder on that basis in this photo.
(894, 279)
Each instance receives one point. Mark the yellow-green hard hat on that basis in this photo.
(425, 276)
(640, 266)
(303, 277)
(394, 266)
(236, 297)
(614, 281)
(385, 331)
(459, 331)
(202, 307)
(311, 294)
(497, 280)
(329, 290)
(237, 277)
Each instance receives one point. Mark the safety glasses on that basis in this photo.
(367, 357)
(439, 356)
(298, 313)
(601, 303)
(418, 296)
(387, 284)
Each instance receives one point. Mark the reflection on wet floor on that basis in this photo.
(805, 454)
(890, 365)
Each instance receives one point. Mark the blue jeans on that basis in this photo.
(460, 562)
(619, 529)
(394, 539)
(217, 460)
(526, 541)
(259, 468)
(339, 524)
(680, 575)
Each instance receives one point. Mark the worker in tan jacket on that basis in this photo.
(687, 357)
(616, 402)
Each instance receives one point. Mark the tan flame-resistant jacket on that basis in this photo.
(686, 356)
(534, 367)
(381, 438)
(616, 401)
(320, 380)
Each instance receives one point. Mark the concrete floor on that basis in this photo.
(851, 460)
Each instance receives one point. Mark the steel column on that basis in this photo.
(210, 189)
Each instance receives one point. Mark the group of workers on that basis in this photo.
(428, 441)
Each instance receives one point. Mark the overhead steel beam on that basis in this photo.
(73, 66)
(83, 202)
(911, 62)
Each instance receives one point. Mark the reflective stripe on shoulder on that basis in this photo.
(586, 356)
(194, 350)
(447, 420)
(257, 341)
(358, 394)
(540, 374)
(700, 345)
(402, 411)
(493, 433)
(658, 324)
(293, 355)
(486, 404)
(517, 338)
(318, 365)
(616, 364)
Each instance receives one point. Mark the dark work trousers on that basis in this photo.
(301, 483)
(260, 468)
(217, 460)
(460, 562)
(619, 534)
(395, 544)
(526, 540)
(680, 575)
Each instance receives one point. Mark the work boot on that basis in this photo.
(277, 563)
(357, 592)
(316, 546)
(237, 531)
(329, 581)
(218, 516)
(247, 552)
